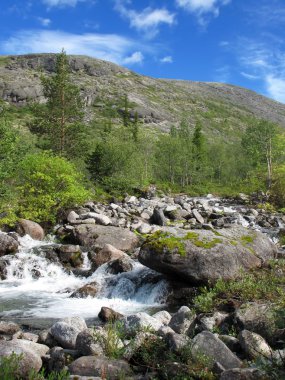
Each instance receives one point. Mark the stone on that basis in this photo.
(133, 323)
(162, 316)
(183, 322)
(86, 344)
(136, 343)
(72, 217)
(254, 345)
(29, 360)
(107, 314)
(198, 216)
(88, 290)
(30, 336)
(97, 236)
(212, 347)
(28, 227)
(107, 254)
(100, 366)
(158, 217)
(39, 349)
(100, 218)
(8, 328)
(144, 228)
(203, 256)
(176, 342)
(7, 244)
(121, 265)
(243, 374)
(70, 254)
(65, 332)
(209, 323)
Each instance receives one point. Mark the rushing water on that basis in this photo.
(37, 289)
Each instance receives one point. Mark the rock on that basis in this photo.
(259, 318)
(254, 345)
(88, 290)
(209, 323)
(158, 217)
(86, 344)
(70, 254)
(58, 359)
(202, 256)
(96, 237)
(209, 345)
(100, 218)
(137, 342)
(176, 342)
(72, 217)
(106, 254)
(100, 366)
(47, 339)
(164, 331)
(123, 264)
(39, 349)
(65, 332)
(162, 316)
(183, 322)
(107, 314)
(30, 336)
(28, 361)
(133, 323)
(243, 374)
(33, 229)
(144, 228)
(231, 342)
(198, 216)
(7, 244)
(9, 328)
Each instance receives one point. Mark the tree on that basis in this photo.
(59, 123)
(259, 142)
(46, 184)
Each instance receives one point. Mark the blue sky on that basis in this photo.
(241, 42)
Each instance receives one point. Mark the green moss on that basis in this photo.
(194, 237)
(247, 239)
(4, 60)
(233, 242)
(163, 242)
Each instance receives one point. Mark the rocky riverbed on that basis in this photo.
(140, 261)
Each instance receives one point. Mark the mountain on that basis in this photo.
(224, 110)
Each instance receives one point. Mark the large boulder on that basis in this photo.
(27, 359)
(254, 345)
(203, 256)
(96, 236)
(133, 323)
(100, 366)
(213, 348)
(31, 228)
(106, 254)
(7, 244)
(65, 332)
(87, 290)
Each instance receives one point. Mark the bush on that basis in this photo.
(46, 184)
(278, 187)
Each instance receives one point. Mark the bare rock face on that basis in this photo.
(31, 228)
(97, 236)
(7, 244)
(200, 256)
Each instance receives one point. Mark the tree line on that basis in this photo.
(65, 160)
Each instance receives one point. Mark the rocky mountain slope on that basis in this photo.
(222, 109)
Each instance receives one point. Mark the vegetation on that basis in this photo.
(115, 154)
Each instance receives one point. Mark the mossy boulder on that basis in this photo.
(203, 256)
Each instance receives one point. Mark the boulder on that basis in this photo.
(158, 217)
(8, 328)
(254, 345)
(27, 361)
(106, 254)
(183, 322)
(203, 256)
(243, 374)
(70, 254)
(86, 344)
(104, 220)
(162, 316)
(96, 237)
(107, 314)
(137, 342)
(133, 323)
(27, 227)
(65, 332)
(212, 347)
(100, 366)
(88, 290)
(123, 264)
(7, 244)
(176, 342)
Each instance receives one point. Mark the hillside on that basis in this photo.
(223, 109)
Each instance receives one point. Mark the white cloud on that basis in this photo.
(249, 76)
(202, 8)
(61, 3)
(276, 87)
(110, 47)
(44, 21)
(136, 57)
(167, 59)
(224, 43)
(148, 20)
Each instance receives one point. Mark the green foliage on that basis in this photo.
(45, 185)
(110, 339)
(278, 187)
(262, 284)
(9, 367)
(59, 122)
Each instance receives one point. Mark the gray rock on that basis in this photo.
(106, 254)
(86, 344)
(209, 345)
(158, 217)
(183, 322)
(200, 256)
(198, 216)
(7, 244)
(100, 366)
(107, 314)
(136, 343)
(8, 328)
(209, 323)
(99, 218)
(72, 217)
(243, 374)
(96, 237)
(87, 290)
(254, 345)
(29, 360)
(135, 322)
(176, 342)
(66, 331)
(162, 316)
(144, 228)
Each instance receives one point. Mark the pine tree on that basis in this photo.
(59, 123)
